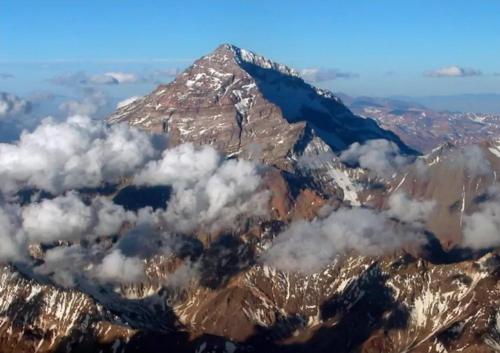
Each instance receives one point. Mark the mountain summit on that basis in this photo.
(247, 105)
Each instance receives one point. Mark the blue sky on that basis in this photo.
(390, 47)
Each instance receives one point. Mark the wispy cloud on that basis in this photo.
(315, 74)
(5, 76)
(453, 71)
(82, 78)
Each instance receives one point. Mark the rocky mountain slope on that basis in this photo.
(394, 304)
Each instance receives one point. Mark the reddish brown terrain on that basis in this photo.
(248, 107)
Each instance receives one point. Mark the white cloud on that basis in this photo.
(12, 239)
(382, 157)
(315, 74)
(117, 268)
(73, 154)
(482, 228)
(405, 209)
(11, 105)
(113, 78)
(64, 264)
(184, 166)
(69, 218)
(472, 159)
(308, 247)
(453, 71)
(108, 78)
(183, 275)
(207, 191)
(88, 105)
(82, 78)
(63, 218)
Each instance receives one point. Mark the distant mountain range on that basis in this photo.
(488, 103)
(424, 128)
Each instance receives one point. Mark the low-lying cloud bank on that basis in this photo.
(86, 235)
(74, 154)
(69, 159)
(308, 247)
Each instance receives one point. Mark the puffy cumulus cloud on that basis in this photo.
(118, 268)
(207, 191)
(321, 74)
(110, 217)
(182, 166)
(127, 101)
(453, 71)
(472, 159)
(12, 239)
(382, 157)
(481, 229)
(73, 154)
(308, 247)
(63, 218)
(408, 210)
(69, 218)
(12, 105)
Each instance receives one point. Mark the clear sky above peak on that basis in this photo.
(383, 47)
